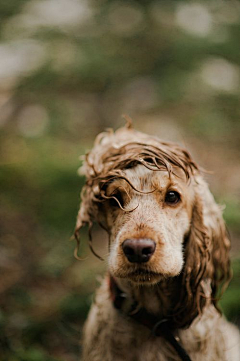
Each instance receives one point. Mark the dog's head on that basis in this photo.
(161, 218)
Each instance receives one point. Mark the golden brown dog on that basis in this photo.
(168, 252)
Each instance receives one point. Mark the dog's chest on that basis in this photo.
(133, 342)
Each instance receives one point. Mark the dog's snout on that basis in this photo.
(138, 250)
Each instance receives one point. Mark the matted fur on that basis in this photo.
(205, 247)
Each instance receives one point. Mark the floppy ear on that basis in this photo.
(207, 265)
(87, 214)
(84, 214)
(218, 268)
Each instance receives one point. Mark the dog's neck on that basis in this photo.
(142, 303)
(156, 299)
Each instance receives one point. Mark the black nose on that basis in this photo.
(138, 250)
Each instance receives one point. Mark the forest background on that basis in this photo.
(68, 70)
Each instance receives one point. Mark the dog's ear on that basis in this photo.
(84, 214)
(207, 265)
(212, 241)
(87, 214)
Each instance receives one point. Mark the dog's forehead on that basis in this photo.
(141, 177)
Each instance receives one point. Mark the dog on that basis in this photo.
(168, 254)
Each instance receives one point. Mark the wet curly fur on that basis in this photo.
(128, 175)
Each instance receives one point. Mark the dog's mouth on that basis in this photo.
(143, 276)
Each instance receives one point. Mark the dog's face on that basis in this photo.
(148, 220)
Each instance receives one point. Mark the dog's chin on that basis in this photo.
(142, 277)
(145, 279)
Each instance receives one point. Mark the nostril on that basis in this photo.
(148, 250)
(128, 251)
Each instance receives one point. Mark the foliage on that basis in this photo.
(68, 69)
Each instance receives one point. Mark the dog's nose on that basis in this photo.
(138, 250)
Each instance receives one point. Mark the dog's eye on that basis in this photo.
(116, 199)
(172, 197)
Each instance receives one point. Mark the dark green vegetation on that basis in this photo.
(65, 75)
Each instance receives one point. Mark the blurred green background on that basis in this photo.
(68, 70)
